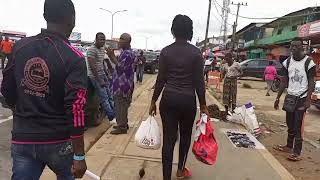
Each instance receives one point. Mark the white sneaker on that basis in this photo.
(114, 121)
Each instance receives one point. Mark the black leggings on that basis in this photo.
(176, 110)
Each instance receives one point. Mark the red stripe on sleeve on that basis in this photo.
(77, 108)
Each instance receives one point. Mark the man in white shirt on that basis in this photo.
(300, 71)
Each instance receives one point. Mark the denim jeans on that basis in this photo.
(29, 160)
(140, 71)
(105, 97)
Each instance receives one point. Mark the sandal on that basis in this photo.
(294, 157)
(283, 148)
(186, 173)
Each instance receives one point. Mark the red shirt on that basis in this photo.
(6, 46)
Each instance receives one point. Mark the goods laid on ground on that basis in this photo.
(148, 134)
(205, 146)
(242, 139)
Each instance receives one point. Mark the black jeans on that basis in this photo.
(176, 110)
(295, 122)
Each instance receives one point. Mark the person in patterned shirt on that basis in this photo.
(123, 82)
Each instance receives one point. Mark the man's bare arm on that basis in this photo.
(283, 86)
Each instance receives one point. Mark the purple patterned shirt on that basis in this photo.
(123, 76)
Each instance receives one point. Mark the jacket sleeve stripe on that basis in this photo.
(74, 50)
(78, 108)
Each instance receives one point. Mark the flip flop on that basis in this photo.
(294, 157)
(185, 174)
(282, 148)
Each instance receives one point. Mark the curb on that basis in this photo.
(273, 162)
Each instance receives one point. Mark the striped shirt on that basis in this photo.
(98, 56)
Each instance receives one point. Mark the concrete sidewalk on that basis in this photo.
(118, 158)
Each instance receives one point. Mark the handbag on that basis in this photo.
(291, 102)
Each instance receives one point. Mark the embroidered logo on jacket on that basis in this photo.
(36, 77)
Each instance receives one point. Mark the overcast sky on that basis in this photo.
(144, 18)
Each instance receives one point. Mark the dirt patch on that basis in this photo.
(274, 130)
(274, 134)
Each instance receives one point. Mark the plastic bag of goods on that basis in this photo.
(251, 120)
(148, 134)
(205, 146)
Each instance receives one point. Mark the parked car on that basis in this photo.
(315, 98)
(152, 62)
(255, 67)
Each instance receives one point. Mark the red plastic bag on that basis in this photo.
(205, 146)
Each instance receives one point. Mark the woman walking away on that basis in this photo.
(270, 74)
(180, 75)
(230, 72)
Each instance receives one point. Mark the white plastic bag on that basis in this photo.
(148, 134)
(201, 126)
(246, 116)
(238, 116)
(251, 120)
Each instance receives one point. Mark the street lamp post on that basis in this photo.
(112, 15)
(147, 38)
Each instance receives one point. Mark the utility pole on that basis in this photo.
(147, 38)
(224, 26)
(234, 43)
(207, 29)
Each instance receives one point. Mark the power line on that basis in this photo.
(215, 5)
(219, 13)
(246, 17)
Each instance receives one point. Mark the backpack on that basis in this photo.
(306, 64)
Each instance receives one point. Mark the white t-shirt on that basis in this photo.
(298, 80)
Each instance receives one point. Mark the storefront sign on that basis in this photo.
(309, 29)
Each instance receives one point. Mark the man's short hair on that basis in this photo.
(99, 34)
(58, 11)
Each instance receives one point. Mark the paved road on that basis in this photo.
(5, 162)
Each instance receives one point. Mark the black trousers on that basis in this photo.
(295, 130)
(295, 121)
(176, 110)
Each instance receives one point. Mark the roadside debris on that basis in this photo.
(216, 113)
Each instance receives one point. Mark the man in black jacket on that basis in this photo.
(45, 85)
